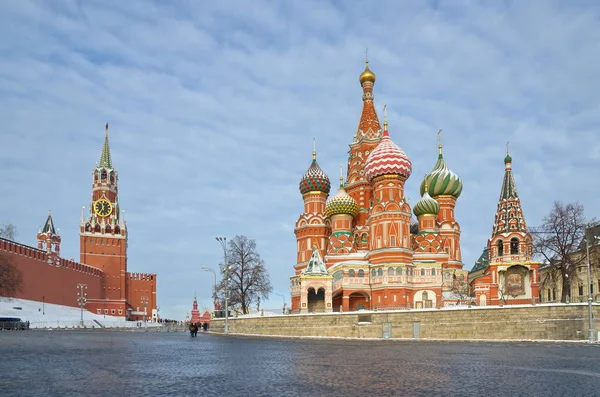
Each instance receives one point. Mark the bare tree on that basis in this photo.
(249, 278)
(460, 286)
(11, 279)
(558, 238)
(8, 231)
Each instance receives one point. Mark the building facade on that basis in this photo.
(551, 279)
(361, 248)
(111, 289)
(506, 273)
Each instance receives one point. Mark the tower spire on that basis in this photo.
(509, 216)
(105, 159)
(49, 225)
(368, 126)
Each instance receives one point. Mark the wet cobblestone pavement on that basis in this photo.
(105, 363)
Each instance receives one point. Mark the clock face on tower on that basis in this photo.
(102, 207)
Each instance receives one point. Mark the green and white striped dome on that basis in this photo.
(426, 206)
(441, 181)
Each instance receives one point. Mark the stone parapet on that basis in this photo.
(553, 322)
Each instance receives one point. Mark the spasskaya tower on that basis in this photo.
(103, 232)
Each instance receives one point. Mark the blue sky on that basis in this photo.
(213, 107)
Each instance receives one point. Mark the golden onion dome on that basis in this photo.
(367, 75)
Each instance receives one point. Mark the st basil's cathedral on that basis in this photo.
(361, 248)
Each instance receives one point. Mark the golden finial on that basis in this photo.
(507, 142)
(106, 128)
(439, 134)
(426, 183)
(367, 75)
(341, 175)
(314, 149)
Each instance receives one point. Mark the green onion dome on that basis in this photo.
(341, 203)
(426, 206)
(441, 181)
(314, 179)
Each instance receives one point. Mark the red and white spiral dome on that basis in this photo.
(387, 159)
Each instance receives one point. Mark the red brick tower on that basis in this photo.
(387, 168)
(195, 319)
(103, 234)
(312, 228)
(445, 187)
(49, 240)
(514, 275)
(341, 210)
(365, 140)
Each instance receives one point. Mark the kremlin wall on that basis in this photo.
(110, 289)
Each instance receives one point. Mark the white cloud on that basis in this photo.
(213, 110)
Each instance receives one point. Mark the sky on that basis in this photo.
(213, 107)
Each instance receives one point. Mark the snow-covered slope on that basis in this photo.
(47, 315)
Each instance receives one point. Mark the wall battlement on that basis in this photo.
(12, 247)
(141, 276)
(21, 249)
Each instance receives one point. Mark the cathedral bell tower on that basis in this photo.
(103, 232)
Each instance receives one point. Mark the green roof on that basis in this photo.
(483, 261)
(105, 160)
(49, 225)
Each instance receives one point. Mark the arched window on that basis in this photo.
(107, 229)
(380, 272)
(390, 271)
(422, 272)
(425, 295)
(97, 228)
(351, 273)
(514, 246)
(500, 245)
(112, 177)
(361, 273)
(373, 273)
(117, 230)
(95, 176)
(103, 176)
(433, 272)
(398, 271)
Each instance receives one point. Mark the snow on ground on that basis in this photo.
(47, 315)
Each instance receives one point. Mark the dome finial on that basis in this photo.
(385, 123)
(367, 75)
(507, 159)
(426, 182)
(314, 149)
(341, 176)
(439, 133)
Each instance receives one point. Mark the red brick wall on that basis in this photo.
(50, 283)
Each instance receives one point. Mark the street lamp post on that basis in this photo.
(82, 298)
(591, 330)
(208, 269)
(144, 303)
(282, 297)
(223, 242)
